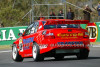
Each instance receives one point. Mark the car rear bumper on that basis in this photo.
(64, 52)
(51, 45)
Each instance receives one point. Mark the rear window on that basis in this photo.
(61, 26)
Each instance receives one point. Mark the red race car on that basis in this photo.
(52, 38)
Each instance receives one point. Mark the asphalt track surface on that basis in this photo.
(68, 61)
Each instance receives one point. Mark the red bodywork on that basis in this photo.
(48, 39)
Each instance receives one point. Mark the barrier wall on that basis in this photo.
(98, 32)
(9, 34)
(94, 31)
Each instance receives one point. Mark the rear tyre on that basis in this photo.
(36, 53)
(15, 55)
(59, 57)
(83, 54)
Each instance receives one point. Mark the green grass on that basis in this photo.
(95, 43)
(2, 47)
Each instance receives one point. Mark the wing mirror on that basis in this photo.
(20, 34)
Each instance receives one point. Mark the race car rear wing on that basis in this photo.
(65, 21)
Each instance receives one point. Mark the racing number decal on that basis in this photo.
(20, 45)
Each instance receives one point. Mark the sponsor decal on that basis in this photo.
(70, 43)
(69, 34)
(25, 47)
(93, 31)
(28, 40)
(27, 43)
(42, 46)
(27, 54)
(4, 36)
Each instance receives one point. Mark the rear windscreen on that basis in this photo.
(61, 26)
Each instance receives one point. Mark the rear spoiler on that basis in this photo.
(63, 21)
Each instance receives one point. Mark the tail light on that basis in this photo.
(86, 35)
(48, 35)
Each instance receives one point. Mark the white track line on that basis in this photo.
(5, 51)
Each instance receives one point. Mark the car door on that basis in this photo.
(28, 38)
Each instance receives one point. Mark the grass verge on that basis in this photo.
(95, 43)
(2, 47)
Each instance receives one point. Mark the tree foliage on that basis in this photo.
(9, 14)
(11, 11)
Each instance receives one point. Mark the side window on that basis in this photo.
(28, 30)
(36, 26)
(32, 28)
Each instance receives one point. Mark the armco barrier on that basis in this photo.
(9, 34)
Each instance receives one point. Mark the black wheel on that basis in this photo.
(83, 54)
(59, 57)
(36, 53)
(15, 55)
